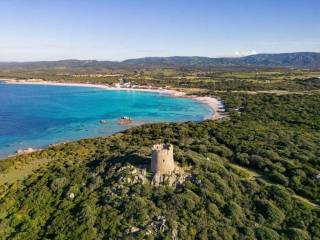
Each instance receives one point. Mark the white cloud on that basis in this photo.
(245, 53)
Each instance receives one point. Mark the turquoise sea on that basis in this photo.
(38, 115)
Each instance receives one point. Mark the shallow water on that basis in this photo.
(37, 115)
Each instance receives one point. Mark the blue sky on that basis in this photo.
(120, 29)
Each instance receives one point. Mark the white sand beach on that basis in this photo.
(215, 104)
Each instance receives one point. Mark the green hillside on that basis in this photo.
(253, 176)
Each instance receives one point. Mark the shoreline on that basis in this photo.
(213, 103)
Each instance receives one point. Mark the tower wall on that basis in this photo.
(162, 159)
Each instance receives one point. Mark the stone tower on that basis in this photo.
(162, 159)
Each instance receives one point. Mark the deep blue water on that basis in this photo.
(36, 116)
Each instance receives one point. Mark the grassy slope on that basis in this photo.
(20, 172)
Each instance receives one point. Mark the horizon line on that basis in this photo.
(170, 56)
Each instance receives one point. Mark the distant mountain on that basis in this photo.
(295, 60)
(72, 63)
(300, 59)
(173, 61)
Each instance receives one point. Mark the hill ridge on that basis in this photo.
(294, 60)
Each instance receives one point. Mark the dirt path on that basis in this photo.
(254, 175)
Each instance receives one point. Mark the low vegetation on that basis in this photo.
(254, 176)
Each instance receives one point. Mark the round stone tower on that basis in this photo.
(162, 159)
